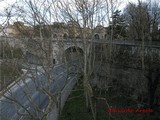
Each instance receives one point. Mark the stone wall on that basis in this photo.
(124, 73)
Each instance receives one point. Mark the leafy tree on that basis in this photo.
(118, 23)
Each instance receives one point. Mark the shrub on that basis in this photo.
(10, 71)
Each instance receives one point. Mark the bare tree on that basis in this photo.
(143, 19)
(85, 14)
(38, 16)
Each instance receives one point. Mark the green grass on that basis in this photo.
(75, 108)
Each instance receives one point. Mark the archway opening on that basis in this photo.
(54, 61)
(96, 36)
(54, 35)
(105, 36)
(65, 36)
(73, 53)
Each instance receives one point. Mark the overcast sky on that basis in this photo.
(5, 3)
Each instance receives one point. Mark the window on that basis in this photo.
(96, 36)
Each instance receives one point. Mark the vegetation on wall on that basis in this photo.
(9, 52)
(9, 72)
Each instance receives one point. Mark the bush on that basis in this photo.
(8, 52)
(5, 51)
(17, 53)
(9, 72)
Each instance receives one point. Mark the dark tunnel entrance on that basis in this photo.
(73, 53)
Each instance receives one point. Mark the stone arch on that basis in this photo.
(105, 36)
(96, 36)
(65, 35)
(73, 53)
(54, 35)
